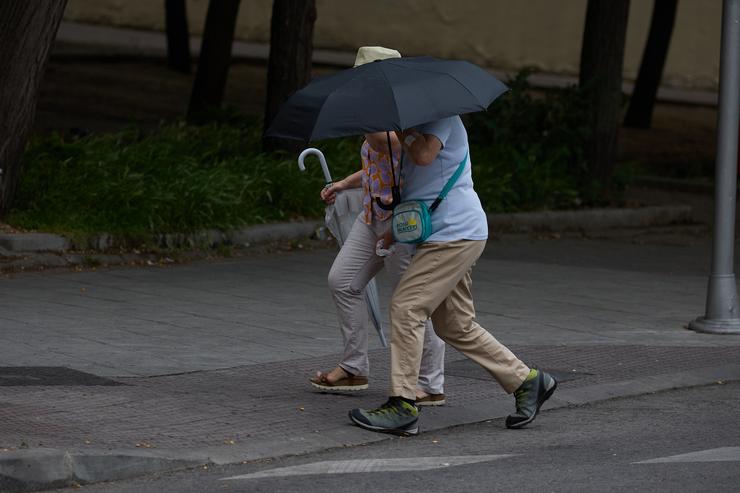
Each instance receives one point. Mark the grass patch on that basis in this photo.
(178, 179)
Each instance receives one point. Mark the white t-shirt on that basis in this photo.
(460, 216)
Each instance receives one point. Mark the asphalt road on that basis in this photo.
(682, 440)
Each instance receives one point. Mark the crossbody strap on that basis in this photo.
(449, 184)
(395, 189)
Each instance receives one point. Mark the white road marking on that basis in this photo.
(371, 465)
(723, 454)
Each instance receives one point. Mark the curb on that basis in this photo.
(26, 251)
(263, 233)
(33, 470)
(43, 468)
(44, 250)
(33, 242)
(589, 219)
(673, 184)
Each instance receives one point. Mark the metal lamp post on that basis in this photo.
(722, 310)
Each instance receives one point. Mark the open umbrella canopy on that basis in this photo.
(391, 94)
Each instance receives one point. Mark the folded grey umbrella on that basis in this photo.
(339, 218)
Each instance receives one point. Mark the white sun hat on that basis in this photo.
(372, 53)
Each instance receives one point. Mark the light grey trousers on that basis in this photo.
(354, 267)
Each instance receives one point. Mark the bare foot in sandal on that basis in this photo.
(424, 399)
(338, 380)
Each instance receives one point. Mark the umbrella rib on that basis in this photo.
(324, 105)
(354, 77)
(462, 85)
(318, 117)
(393, 93)
(469, 91)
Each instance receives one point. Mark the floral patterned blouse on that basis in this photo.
(377, 182)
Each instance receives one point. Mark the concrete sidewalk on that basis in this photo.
(114, 373)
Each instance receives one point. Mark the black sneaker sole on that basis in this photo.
(547, 395)
(406, 431)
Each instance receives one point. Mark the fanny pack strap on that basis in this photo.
(449, 184)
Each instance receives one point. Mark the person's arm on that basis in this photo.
(329, 192)
(423, 148)
(378, 141)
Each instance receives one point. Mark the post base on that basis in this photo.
(716, 326)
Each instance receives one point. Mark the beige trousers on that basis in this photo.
(437, 285)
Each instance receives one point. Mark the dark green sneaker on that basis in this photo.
(536, 389)
(395, 416)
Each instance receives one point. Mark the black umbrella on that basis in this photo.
(390, 94)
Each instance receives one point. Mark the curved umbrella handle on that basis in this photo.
(322, 160)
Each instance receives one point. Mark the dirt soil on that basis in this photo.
(681, 143)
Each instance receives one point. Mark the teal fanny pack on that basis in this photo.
(412, 222)
(412, 219)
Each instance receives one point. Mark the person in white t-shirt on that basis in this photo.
(437, 285)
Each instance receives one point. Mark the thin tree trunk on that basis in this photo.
(640, 110)
(27, 32)
(602, 56)
(291, 50)
(178, 35)
(214, 60)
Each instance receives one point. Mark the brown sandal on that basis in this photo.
(350, 383)
(431, 400)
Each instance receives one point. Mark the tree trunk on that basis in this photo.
(27, 32)
(214, 60)
(291, 49)
(642, 102)
(178, 36)
(602, 55)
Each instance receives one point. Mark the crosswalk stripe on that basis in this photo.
(722, 454)
(371, 465)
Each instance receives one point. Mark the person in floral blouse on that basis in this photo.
(362, 256)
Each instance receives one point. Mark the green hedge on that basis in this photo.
(526, 150)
